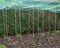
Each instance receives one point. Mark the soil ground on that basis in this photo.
(41, 40)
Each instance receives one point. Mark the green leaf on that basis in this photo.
(2, 46)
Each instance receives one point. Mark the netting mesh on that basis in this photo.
(25, 5)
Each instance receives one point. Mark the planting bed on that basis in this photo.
(39, 40)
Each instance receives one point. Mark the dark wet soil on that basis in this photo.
(41, 40)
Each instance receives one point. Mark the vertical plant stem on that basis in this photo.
(6, 23)
(33, 30)
(38, 21)
(55, 20)
(15, 23)
(33, 22)
(20, 23)
(42, 21)
(3, 22)
(29, 22)
(38, 27)
(49, 22)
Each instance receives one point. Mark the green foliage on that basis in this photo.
(2, 46)
(25, 23)
(57, 31)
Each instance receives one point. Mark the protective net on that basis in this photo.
(25, 5)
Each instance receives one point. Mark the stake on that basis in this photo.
(42, 21)
(6, 23)
(33, 22)
(20, 23)
(3, 22)
(15, 22)
(49, 21)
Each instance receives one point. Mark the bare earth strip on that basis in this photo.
(41, 40)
